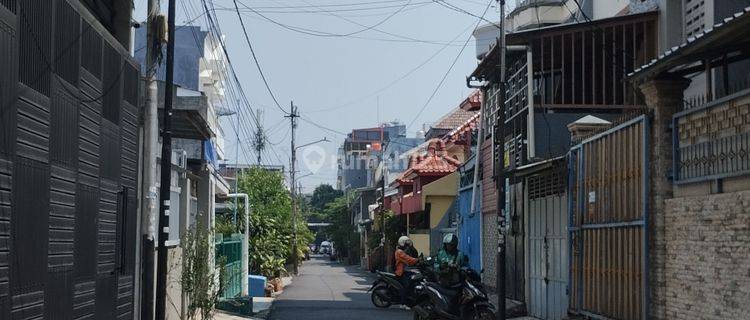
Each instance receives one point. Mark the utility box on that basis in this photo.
(256, 285)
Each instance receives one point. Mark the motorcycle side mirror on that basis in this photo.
(421, 255)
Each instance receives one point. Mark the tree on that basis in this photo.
(271, 230)
(322, 195)
(341, 231)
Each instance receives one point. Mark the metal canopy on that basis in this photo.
(725, 37)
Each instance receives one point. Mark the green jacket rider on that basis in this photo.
(449, 254)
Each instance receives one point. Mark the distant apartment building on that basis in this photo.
(358, 156)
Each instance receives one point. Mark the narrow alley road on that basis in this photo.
(330, 291)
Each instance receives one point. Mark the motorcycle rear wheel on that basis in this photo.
(424, 305)
(380, 298)
(483, 314)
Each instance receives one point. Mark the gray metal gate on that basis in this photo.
(608, 209)
(547, 247)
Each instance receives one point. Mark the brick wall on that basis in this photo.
(489, 217)
(489, 249)
(707, 267)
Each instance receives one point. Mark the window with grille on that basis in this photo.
(491, 106)
(550, 182)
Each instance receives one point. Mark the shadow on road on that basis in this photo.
(330, 291)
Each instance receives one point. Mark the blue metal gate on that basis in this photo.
(608, 206)
(470, 241)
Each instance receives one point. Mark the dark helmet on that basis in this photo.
(450, 239)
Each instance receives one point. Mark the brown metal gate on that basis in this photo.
(608, 210)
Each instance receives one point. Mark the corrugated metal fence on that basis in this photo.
(608, 210)
(547, 269)
(68, 154)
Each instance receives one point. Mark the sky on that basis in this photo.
(354, 77)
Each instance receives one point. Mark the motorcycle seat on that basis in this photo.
(449, 292)
(387, 274)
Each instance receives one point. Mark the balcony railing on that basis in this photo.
(410, 203)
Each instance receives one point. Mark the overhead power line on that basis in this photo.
(461, 10)
(447, 72)
(320, 126)
(332, 5)
(255, 59)
(402, 77)
(325, 34)
(215, 30)
(322, 9)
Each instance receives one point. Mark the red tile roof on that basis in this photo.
(473, 102)
(467, 127)
(453, 119)
(436, 161)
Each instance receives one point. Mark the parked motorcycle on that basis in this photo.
(465, 299)
(386, 289)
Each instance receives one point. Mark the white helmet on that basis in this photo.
(403, 240)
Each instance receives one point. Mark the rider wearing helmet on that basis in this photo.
(449, 254)
(403, 259)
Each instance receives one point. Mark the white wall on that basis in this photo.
(608, 8)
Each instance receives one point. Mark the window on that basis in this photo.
(175, 203)
(373, 135)
(174, 216)
(420, 220)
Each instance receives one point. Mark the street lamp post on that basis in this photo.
(292, 173)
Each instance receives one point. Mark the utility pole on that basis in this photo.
(500, 176)
(166, 173)
(382, 198)
(293, 119)
(144, 301)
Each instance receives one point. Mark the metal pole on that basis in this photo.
(293, 188)
(166, 173)
(245, 242)
(500, 176)
(382, 200)
(237, 169)
(480, 138)
(144, 304)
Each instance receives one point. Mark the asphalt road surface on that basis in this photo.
(330, 291)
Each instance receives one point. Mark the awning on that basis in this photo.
(726, 36)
